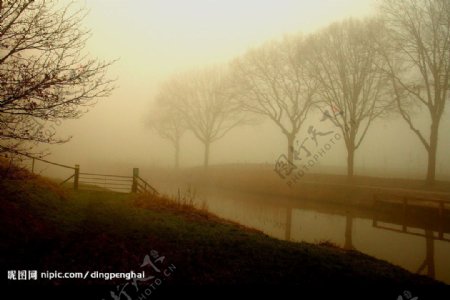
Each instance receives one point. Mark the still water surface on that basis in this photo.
(296, 220)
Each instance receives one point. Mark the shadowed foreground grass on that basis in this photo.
(44, 227)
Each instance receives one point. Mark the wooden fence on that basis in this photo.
(103, 182)
(418, 216)
(414, 212)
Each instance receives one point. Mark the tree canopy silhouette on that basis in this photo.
(45, 76)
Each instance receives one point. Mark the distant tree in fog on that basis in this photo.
(166, 120)
(418, 63)
(45, 76)
(205, 105)
(343, 60)
(271, 81)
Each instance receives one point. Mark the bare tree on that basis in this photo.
(342, 59)
(418, 63)
(271, 81)
(167, 120)
(206, 105)
(44, 75)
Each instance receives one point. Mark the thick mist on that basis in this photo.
(257, 144)
(153, 39)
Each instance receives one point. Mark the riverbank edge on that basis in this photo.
(44, 225)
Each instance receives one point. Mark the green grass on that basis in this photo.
(45, 227)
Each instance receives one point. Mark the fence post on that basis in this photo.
(135, 176)
(76, 177)
(32, 166)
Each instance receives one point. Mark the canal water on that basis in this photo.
(417, 250)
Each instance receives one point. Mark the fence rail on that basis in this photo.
(95, 181)
(415, 211)
(106, 175)
(49, 162)
(106, 181)
(143, 187)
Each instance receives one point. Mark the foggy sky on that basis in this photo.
(154, 39)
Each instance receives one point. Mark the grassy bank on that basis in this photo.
(45, 227)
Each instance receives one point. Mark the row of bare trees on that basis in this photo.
(363, 69)
(199, 101)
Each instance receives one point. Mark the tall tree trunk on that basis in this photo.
(348, 232)
(287, 233)
(432, 151)
(290, 139)
(177, 154)
(206, 161)
(430, 253)
(350, 161)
